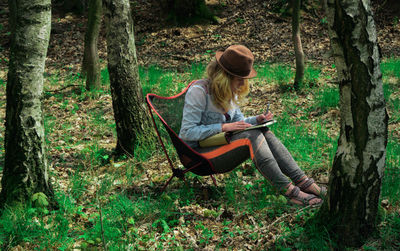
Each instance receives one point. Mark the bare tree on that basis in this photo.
(129, 110)
(25, 171)
(91, 64)
(355, 180)
(298, 48)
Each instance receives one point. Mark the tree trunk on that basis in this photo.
(128, 103)
(25, 170)
(91, 64)
(355, 180)
(298, 48)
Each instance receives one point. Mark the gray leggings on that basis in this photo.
(269, 155)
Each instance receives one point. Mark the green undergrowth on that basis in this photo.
(314, 236)
(104, 201)
(166, 83)
(282, 75)
(391, 181)
(391, 68)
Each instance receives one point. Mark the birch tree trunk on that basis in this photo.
(128, 104)
(355, 180)
(298, 48)
(91, 64)
(25, 171)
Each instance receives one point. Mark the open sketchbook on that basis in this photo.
(223, 138)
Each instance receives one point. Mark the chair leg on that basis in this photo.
(175, 173)
(181, 174)
(166, 184)
(193, 167)
(214, 181)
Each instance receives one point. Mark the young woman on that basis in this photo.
(212, 106)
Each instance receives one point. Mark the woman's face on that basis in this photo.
(236, 84)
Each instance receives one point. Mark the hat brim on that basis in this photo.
(218, 55)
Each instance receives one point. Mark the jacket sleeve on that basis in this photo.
(238, 116)
(195, 105)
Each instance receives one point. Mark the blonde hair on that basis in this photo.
(220, 87)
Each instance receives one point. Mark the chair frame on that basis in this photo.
(176, 172)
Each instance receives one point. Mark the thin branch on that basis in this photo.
(285, 215)
(268, 227)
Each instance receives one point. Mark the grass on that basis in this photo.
(311, 75)
(320, 147)
(326, 99)
(391, 184)
(160, 81)
(283, 75)
(391, 68)
(276, 74)
(102, 200)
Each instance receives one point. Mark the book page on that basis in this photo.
(269, 122)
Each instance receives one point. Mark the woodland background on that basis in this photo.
(115, 203)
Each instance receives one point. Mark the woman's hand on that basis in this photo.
(240, 125)
(264, 117)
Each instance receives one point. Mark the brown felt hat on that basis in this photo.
(237, 60)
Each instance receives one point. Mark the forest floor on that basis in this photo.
(103, 200)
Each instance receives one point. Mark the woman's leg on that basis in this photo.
(285, 160)
(289, 166)
(309, 186)
(243, 145)
(253, 144)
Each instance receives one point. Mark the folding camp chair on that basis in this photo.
(169, 110)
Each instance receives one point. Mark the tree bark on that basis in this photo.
(25, 171)
(91, 64)
(298, 48)
(354, 186)
(129, 110)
